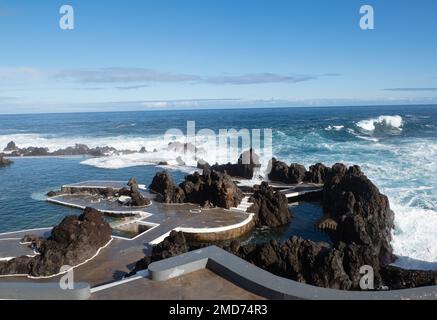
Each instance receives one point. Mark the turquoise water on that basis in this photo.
(396, 147)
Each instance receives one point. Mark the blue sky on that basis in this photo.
(143, 54)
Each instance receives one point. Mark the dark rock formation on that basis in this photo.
(281, 172)
(270, 207)
(317, 174)
(395, 278)
(297, 259)
(73, 241)
(137, 199)
(104, 192)
(244, 167)
(363, 214)
(201, 164)
(31, 152)
(174, 245)
(164, 185)
(4, 161)
(78, 149)
(10, 146)
(214, 187)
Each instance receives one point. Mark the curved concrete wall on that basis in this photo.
(263, 283)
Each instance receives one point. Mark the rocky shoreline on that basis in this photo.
(357, 218)
(361, 227)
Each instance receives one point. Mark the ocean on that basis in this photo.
(396, 146)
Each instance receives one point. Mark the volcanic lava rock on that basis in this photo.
(244, 168)
(214, 187)
(73, 241)
(31, 152)
(78, 149)
(363, 214)
(297, 259)
(11, 146)
(292, 174)
(4, 161)
(201, 164)
(164, 185)
(396, 278)
(270, 207)
(137, 199)
(317, 173)
(173, 245)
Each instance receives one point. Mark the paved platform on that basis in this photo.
(200, 285)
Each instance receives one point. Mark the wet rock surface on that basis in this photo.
(75, 240)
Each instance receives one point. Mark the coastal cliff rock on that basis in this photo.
(212, 187)
(137, 199)
(270, 207)
(281, 172)
(363, 214)
(4, 161)
(164, 185)
(244, 168)
(75, 240)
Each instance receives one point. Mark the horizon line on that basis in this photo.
(229, 108)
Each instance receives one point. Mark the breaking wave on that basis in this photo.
(390, 122)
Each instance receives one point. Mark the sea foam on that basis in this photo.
(392, 122)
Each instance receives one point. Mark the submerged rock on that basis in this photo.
(75, 240)
(270, 207)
